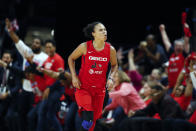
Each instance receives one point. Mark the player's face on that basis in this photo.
(100, 32)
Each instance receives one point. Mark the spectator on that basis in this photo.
(183, 95)
(162, 104)
(190, 63)
(26, 96)
(125, 96)
(145, 93)
(160, 98)
(151, 54)
(9, 91)
(131, 69)
(176, 55)
(53, 92)
(134, 75)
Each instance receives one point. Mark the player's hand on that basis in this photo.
(76, 82)
(110, 84)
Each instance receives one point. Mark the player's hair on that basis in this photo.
(89, 29)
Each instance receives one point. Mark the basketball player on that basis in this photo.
(91, 82)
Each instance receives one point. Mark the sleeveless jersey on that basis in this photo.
(94, 66)
(176, 64)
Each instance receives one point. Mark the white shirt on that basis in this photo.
(24, 50)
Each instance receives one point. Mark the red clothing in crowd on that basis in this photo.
(176, 64)
(182, 101)
(193, 118)
(156, 116)
(127, 97)
(70, 91)
(53, 63)
(92, 75)
(39, 85)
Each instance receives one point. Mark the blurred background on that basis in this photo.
(127, 24)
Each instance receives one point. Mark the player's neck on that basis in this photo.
(98, 44)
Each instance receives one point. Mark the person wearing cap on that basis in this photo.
(190, 66)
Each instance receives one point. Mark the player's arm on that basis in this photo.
(114, 67)
(79, 51)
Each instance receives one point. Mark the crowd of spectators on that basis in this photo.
(154, 89)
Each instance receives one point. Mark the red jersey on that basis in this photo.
(182, 101)
(53, 63)
(176, 64)
(94, 66)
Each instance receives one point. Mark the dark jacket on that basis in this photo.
(13, 81)
(167, 108)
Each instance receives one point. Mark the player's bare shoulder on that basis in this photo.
(112, 49)
(83, 47)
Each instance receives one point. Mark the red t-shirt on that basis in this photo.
(176, 63)
(182, 101)
(53, 63)
(94, 66)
